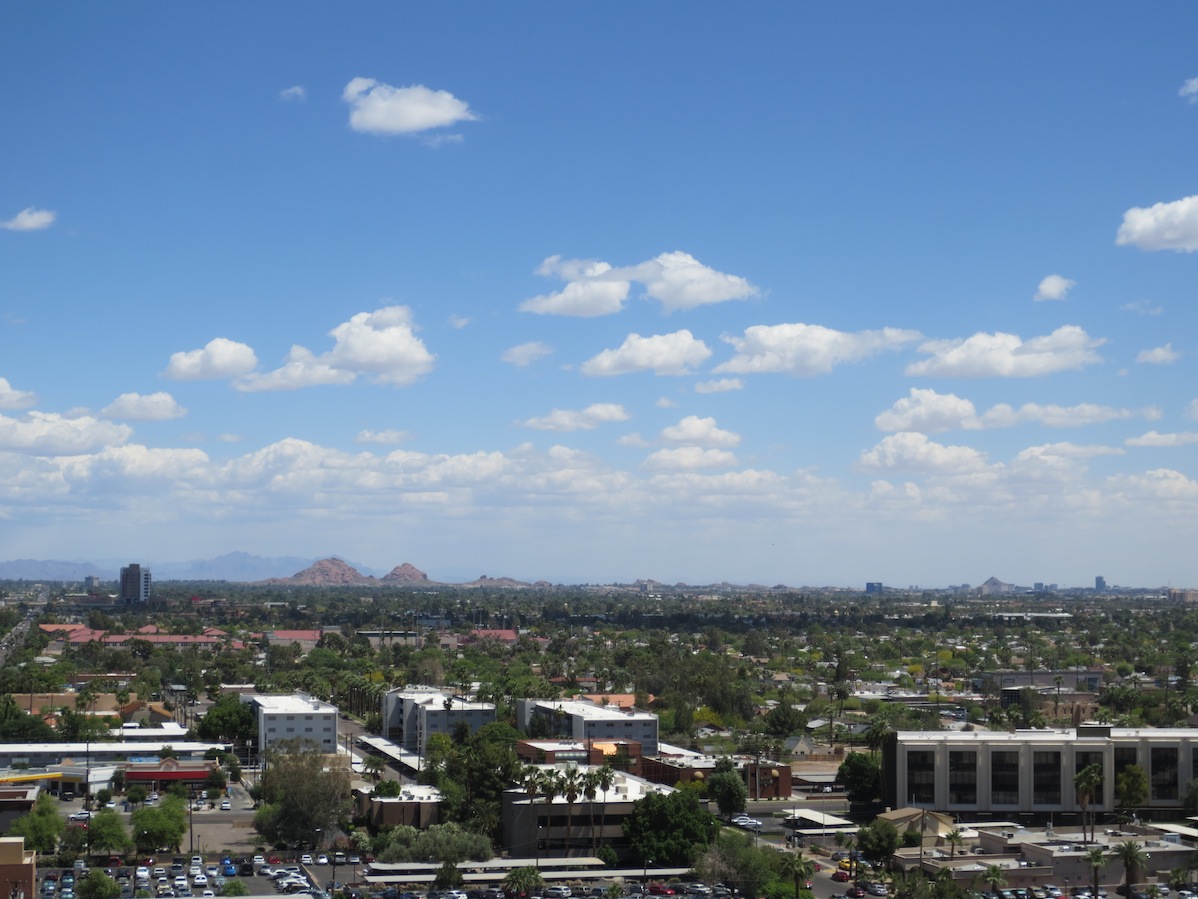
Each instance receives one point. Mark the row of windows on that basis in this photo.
(1164, 774)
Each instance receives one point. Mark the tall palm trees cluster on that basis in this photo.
(571, 783)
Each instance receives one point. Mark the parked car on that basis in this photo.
(226, 805)
(841, 876)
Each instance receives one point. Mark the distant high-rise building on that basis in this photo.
(1038, 587)
(873, 586)
(135, 584)
(1100, 583)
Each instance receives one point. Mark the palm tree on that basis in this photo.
(875, 733)
(550, 787)
(1132, 856)
(1097, 859)
(524, 881)
(373, 766)
(799, 867)
(571, 788)
(590, 788)
(1087, 783)
(995, 877)
(955, 840)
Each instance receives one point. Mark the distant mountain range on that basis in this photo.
(240, 567)
(235, 566)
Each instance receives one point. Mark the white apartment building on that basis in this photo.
(413, 714)
(296, 717)
(586, 721)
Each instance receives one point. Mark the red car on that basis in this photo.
(855, 892)
(657, 889)
(841, 876)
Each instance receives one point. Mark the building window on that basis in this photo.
(1164, 773)
(921, 776)
(1046, 778)
(1004, 777)
(962, 777)
(1125, 757)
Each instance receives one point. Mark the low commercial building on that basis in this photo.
(417, 806)
(998, 774)
(586, 721)
(538, 828)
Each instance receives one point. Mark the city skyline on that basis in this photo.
(800, 295)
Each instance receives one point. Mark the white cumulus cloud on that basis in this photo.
(1189, 90)
(677, 280)
(1161, 355)
(525, 354)
(219, 358)
(1162, 226)
(1152, 438)
(380, 344)
(663, 354)
(909, 451)
(802, 349)
(680, 281)
(46, 433)
(696, 431)
(578, 419)
(296, 92)
(688, 458)
(1002, 355)
(391, 437)
(927, 411)
(377, 108)
(1054, 287)
(29, 219)
(160, 406)
(11, 398)
(719, 385)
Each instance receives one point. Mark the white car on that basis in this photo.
(200, 880)
(226, 805)
(305, 859)
(322, 859)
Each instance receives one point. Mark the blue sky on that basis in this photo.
(784, 293)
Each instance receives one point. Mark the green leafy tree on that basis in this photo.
(731, 858)
(107, 833)
(440, 843)
(97, 885)
(1131, 790)
(42, 826)
(729, 791)
(878, 841)
(158, 827)
(228, 719)
(861, 776)
(448, 877)
(302, 797)
(235, 888)
(667, 828)
(783, 720)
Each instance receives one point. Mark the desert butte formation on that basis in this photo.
(336, 573)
